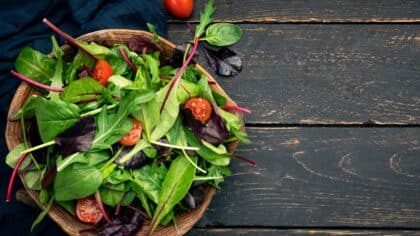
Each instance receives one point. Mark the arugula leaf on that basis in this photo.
(57, 78)
(42, 215)
(187, 90)
(81, 89)
(117, 62)
(79, 60)
(35, 65)
(150, 179)
(169, 113)
(112, 127)
(120, 82)
(152, 64)
(217, 173)
(205, 18)
(233, 124)
(28, 109)
(206, 153)
(220, 149)
(152, 29)
(72, 184)
(54, 117)
(99, 51)
(223, 34)
(143, 198)
(148, 115)
(14, 155)
(174, 188)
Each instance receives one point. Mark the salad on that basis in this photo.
(119, 134)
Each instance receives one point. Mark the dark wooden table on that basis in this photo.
(334, 87)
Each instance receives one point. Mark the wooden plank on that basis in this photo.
(323, 177)
(276, 232)
(324, 11)
(326, 74)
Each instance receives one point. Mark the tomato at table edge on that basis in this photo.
(93, 203)
(102, 71)
(208, 109)
(133, 136)
(179, 8)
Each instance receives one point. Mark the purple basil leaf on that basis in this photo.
(143, 45)
(78, 138)
(224, 61)
(49, 176)
(125, 223)
(214, 132)
(138, 160)
(177, 58)
(195, 197)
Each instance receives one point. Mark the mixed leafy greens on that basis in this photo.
(123, 131)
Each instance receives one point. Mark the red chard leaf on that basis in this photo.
(224, 61)
(143, 45)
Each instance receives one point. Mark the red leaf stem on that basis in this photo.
(13, 176)
(35, 83)
(236, 108)
(126, 59)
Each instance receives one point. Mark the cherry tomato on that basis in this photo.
(133, 136)
(87, 210)
(102, 72)
(179, 8)
(200, 108)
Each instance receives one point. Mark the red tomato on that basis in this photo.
(133, 136)
(179, 8)
(200, 108)
(87, 210)
(102, 72)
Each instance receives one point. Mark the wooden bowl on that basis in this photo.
(67, 222)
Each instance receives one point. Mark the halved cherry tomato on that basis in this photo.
(87, 210)
(179, 8)
(200, 108)
(133, 136)
(102, 72)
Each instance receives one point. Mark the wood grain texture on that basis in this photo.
(276, 232)
(323, 177)
(326, 74)
(316, 11)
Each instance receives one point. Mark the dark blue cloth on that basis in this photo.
(21, 25)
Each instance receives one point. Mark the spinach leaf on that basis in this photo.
(33, 179)
(72, 184)
(149, 116)
(35, 65)
(174, 188)
(143, 198)
(220, 99)
(128, 198)
(14, 155)
(223, 34)
(119, 176)
(70, 206)
(149, 179)
(206, 153)
(169, 113)
(81, 89)
(206, 91)
(57, 78)
(111, 197)
(54, 117)
(79, 60)
(221, 149)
